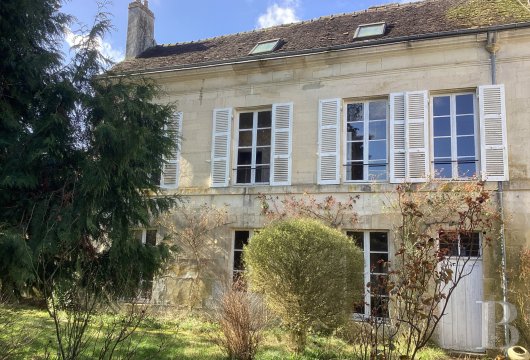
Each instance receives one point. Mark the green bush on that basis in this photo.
(309, 273)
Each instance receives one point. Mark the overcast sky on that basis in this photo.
(187, 20)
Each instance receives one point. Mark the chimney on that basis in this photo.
(140, 29)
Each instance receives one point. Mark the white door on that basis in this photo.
(461, 328)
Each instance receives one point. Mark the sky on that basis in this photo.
(188, 20)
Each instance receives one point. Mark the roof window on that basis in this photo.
(265, 46)
(369, 30)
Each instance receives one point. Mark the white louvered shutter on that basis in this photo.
(417, 132)
(282, 119)
(493, 145)
(170, 173)
(397, 138)
(220, 165)
(328, 171)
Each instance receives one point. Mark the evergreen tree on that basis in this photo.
(79, 154)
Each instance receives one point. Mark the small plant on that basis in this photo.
(242, 317)
(520, 294)
(308, 273)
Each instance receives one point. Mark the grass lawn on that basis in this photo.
(165, 337)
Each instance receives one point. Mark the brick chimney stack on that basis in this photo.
(140, 29)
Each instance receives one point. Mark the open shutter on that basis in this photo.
(397, 138)
(417, 140)
(170, 173)
(328, 171)
(493, 145)
(220, 166)
(282, 119)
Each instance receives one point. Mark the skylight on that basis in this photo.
(368, 30)
(265, 46)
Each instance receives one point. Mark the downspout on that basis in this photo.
(493, 47)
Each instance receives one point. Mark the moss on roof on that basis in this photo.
(476, 13)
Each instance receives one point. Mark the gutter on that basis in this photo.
(335, 48)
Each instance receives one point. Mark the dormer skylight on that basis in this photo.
(369, 30)
(265, 46)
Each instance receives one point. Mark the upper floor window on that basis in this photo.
(254, 147)
(366, 141)
(454, 136)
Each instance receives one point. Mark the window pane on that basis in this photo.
(246, 120)
(263, 155)
(244, 156)
(377, 130)
(241, 238)
(357, 238)
(464, 104)
(378, 284)
(378, 262)
(441, 105)
(465, 125)
(355, 171)
(262, 174)
(442, 169)
(264, 137)
(238, 260)
(377, 110)
(442, 126)
(379, 306)
(442, 147)
(245, 138)
(355, 131)
(465, 146)
(243, 174)
(377, 150)
(378, 241)
(377, 172)
(355, 151)
(449, 244)
(264, 119)
(467, 168)
(138, 234)
(355, 112)
(150, 237)
(470, 245)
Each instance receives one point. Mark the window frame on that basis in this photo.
(366, 140)
(459, 246)
(143, 238)
(251, 233)
(367, 273)
(361, 26)
(454, 136)
(275, 47)
(234, 168)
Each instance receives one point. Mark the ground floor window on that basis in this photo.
(146, 237)
(241, 238)
(374, 245)
(460, 245)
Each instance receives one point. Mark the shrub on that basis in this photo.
(242, 317)
(308, 272)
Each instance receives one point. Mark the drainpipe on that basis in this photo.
(492, 46)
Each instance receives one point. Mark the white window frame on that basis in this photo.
(144, 231)
(459, 247)
(366, 117)
(367, 266)
(454, 136)
(254, 147)
(232, 257)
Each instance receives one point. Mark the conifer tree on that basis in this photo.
(80, 151)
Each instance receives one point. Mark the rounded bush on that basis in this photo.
(310, 274)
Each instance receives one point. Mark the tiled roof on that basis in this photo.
(403, 20)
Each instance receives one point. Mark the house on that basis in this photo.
(350, 104)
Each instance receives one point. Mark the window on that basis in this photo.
(145, 236)
(454, 136)
(368, 30)
(254, 147)
(265, 46)
(366, 141)
(374, 245)
(241, 238)
(460, 245)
